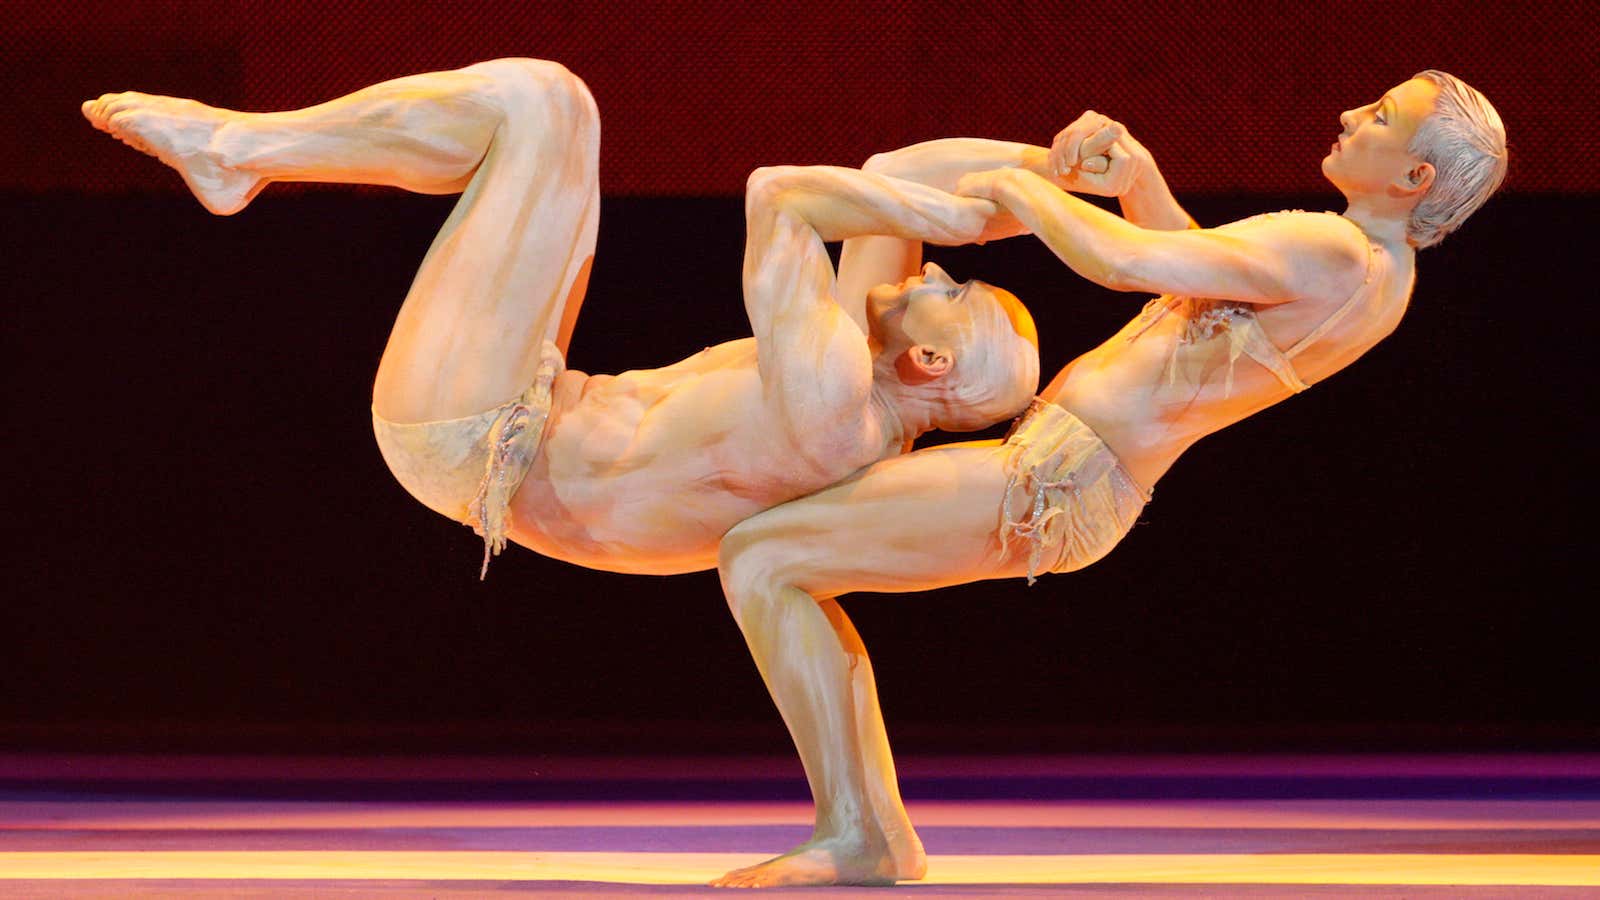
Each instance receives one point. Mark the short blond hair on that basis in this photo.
(1465, 142)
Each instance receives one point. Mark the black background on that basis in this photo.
(207, 547)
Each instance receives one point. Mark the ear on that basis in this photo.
(922, 364)
(1415, 181)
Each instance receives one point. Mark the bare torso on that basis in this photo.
(644, 471)
(1126, 392)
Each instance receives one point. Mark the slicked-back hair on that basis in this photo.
(1465, 142)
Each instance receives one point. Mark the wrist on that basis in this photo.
(1147, 177)
(1004, 183)
(1037, 161)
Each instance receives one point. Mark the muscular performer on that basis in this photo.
(473, 407)
(1249, 314)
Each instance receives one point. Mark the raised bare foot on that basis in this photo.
(179, 133)
(833, 861)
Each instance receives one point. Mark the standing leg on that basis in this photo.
(926, 520)
(507, 271)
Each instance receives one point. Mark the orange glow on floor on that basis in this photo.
(698, 868)
(117, 834)
(1439, 815)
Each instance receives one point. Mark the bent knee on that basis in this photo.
(753, 562)
(522, 84)
(767, 185)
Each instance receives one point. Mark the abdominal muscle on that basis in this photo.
(644, 472)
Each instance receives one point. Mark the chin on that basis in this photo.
(877, 313)
(1329, 170)
(881, 299)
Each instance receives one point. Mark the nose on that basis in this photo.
(1345, 119)
(932, 271)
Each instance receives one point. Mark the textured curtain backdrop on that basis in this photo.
(1230, 94)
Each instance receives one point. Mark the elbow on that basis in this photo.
(1120, 270)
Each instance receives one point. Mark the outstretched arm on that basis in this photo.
(1257, 261)
(839, 203)
(1093, 155)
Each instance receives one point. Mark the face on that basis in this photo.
(1370, 156)
(930, 309)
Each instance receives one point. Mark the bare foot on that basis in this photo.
(833, 861)
(179, 133)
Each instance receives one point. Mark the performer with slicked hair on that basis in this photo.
(1250, 314)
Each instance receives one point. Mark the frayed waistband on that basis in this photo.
(468, 469)
(1074, 484)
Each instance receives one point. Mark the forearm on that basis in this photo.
(1092, 242)
(1149, 203)
(1301, 256)
(941, 163)
(871, 260)
(791, 210)
(876, 259)
(839, 203)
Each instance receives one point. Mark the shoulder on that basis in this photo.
(1327, 235)
(1327, 255)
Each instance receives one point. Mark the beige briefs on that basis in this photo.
(1068, 494)
(469, 468)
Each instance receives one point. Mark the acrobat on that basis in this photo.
(1250, 314)
(474, 409)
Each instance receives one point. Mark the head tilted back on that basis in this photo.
(1465, 142)
(996, 371)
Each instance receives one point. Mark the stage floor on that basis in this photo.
(1145, 826)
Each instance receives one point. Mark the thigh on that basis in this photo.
(925, 520)
(509, 268)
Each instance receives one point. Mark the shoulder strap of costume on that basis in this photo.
(1344, 310)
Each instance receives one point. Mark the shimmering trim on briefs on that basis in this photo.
(468, 469)
(1079, 497)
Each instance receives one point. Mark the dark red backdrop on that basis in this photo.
(201, 531)
(1234, 95)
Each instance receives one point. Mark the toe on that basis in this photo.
(119, 103)
(95, 110)
(736, 878)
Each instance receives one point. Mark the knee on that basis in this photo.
(767, 186)
(519, 83)
(882, 163)
(753, 566)
(763, 185)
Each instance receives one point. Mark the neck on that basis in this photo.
(900, 418)
(1379, 220)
